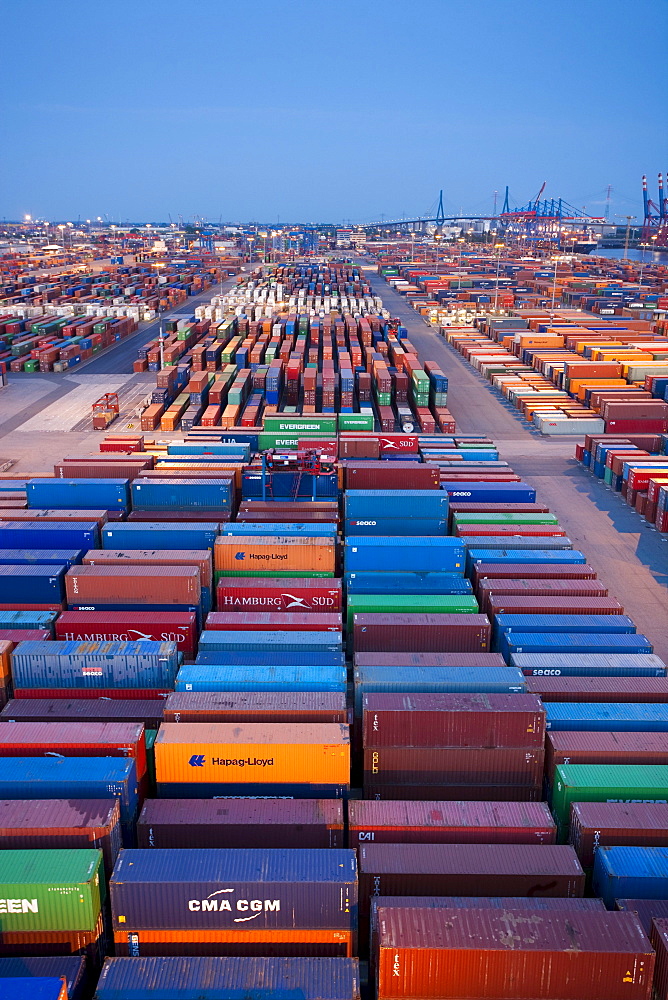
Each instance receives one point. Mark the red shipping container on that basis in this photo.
(154, 557)
(553, 605)
(453, 720)
(391, 659)
(509, 530)
(645, 909)
(133, 585)
(131, 626)
(648, 690)
(563, 747)
(120, 693)
(256, 706)
(390, 476)
(392, 444)
(399, 822)
(453, 766)
(415, 632)
(84, 709)
(537, 588)
(474, 953)
(303, 594)
(241, 823)
(659, 939)
(24, 635)
(75, 739)
(274, 621)
(467, 792)
(608, 824)
(530, 571)
(87, 516)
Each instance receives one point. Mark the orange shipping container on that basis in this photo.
(281, 942)
(249, 555)
(6, 648)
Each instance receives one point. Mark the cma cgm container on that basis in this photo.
(255, 706)
(71, 967)
(606, 717)
(241, 823)
(421, 632)
(306, 595)
(214, 677)
(589, 664)
(274, 555)
(608, 824)
(298, 900)
(49, 535)
(397, 822)
(631, 872)
(61, 823)
(205, 759)
(456, 953)
(415, 554)
(453, 720)
(130, 626)
(198, 978)
(50, 890)
(96, 665)
(158, 535)
(606, 783)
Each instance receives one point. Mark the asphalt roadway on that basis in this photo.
(629, 556)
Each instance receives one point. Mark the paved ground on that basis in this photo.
(629, 556)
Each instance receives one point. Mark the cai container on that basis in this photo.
(397, 822)
(130, 626)
(213, 677)
(467, 954)
(589, 664)
(630, 872)
(50, 890)
(606, 783)
(241, 823)
(604, 717)
(609, 824)
(255, 706)
(412, 554)
(397, 632)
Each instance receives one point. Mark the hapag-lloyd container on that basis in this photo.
(213, 978)
(453, 720)
(68, 824)
(157, 535)
(589, 664)
(145, 710)
(238, 890)
(130, 626)
(205, 754)
(420, 504)
(604, 748)
(412, 554)
(605, 717)
(470, 953)
(50, 890)
(427, 632)
(631, 872)
(606, 783)
(72, 778)
(255, 706)
(214, 677)
(241, 823)
(49, 535)
(444, 766)
(597, 689)
(397, 822)
(72, 967)
(75, 739)
(306, 594)
(608, 824)
(58, 664)
(114, 584)
(274, 555)
(269, 621)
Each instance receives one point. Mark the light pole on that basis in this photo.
(643, 247)
(554, 288)
(250, 248)
(498, 247)
(461, 242)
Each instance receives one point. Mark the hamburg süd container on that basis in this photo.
(609, 824)
(630, 872)
(301, 594)
(50, 889)
(130, 626)
(606, 783)
(241, 823)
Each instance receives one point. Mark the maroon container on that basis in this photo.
(97, 469)
(467, 954)
(467, 792)
(400, 822)
(388, 659)
(530, 571)
(645, 909)
(421, 632)
(553, 605)
(256, 706)
(645, 409)
(257, 593)
(75, 739)
(154, 557)
(453, 720)
(511, 530)
(563, 747)
(657, 426)
(52, 709)
(652, 690)
(454, 765)
(390, 476)
(659, 939)
(37, 824)
(87, 516)
(274, 621)
(203, 514)
(133, 585)
(537, 588)
(241, 823)
(24, 635)
(92, 693)
(131, 626)
(609, 824)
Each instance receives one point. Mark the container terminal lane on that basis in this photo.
(285, 714)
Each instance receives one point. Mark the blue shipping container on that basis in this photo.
(430, 504)
(222, 677)
(589, 664)
(74, 664)
(158, 494)
(158, 535)
(406, 583)
(50, 535)
(72, 967)
(277, 528)
(41, 557)
(280, 658)
(630, 873)
(484, 555)
(568, 642)
(623, 717)
(395, 526)
(28, 620)
(490, 492)
(392, 554)
(269, 642)
(30, 584)
(79, 494)
(501, 680)
(37, 988)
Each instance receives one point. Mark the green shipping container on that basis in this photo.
(303, 425)
(220, 573)
(272, 439)
(50, 890)
(605, 783)
(505, 519)
(355, 421)
(414, 604)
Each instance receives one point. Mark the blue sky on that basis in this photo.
(327, 109)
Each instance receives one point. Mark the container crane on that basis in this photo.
(655, 223)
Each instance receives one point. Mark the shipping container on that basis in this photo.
(406, 583)
(604, 748)
(35, 988)
(645, 909)
(29, 584)
(241, 823)
(606, 783)
(608, 824)
(306, 595)
(659, 940)
(255, 706)
(435, 680)
(159, 585)
(268, 621)
(51, 889)
(567, 642)
(130, 626)
(606, 717)
(49, 535)
(207, 677)
(630, 872)
(274, 555)
(589, 664)
(419, 504)
(455, 766)
(72, 968)
(103, 494)
(399, 632)
(598, 689)
(414, 554)
(145, 710)
(94, 665)
(253, 642)
(157, 535)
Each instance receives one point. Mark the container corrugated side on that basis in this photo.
(71, 967)
(609, 824)
(606, 783)
(626, 872)
(50, 890)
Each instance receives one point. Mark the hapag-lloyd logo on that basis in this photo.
(217, 902)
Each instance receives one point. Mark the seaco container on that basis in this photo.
(130, 626)
(270, 621)
(215, 978)
(255, 706)
(606, 783)
(71, 967)
(61, 823)
(133, 585)
(301, 889)
(489, 492)
(414, 554)
(49, 535)
(470, 953)
(453, 720)
(589, 664)
(241, 823)
(604, 748)
(606, 717)
(306, 595)
(50, 890)
(631, 872)
(274, 555)
(607, 824)
(217, 677)
(193, 758)
(71, 778)
(397, 822)
(146, 710)
(397, 632)
(55, 664)
(597, 689)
